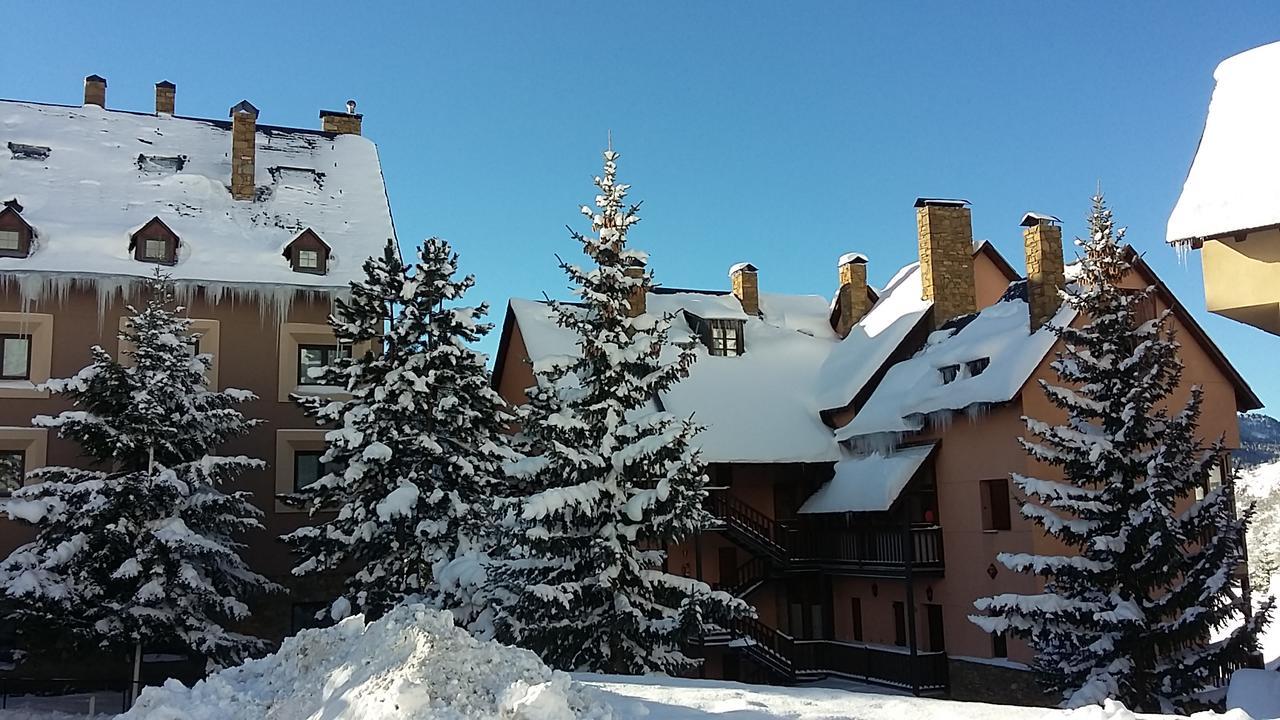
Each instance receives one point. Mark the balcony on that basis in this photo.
(864, 550)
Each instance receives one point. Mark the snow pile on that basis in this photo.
(1232, 184)
(412, 664)
(869, 483)
(1256, 692)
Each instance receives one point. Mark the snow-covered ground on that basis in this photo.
(414, 664)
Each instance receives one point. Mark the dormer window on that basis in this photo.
(949, 373)
(726, 338)
(308, 253)
(155, 243)
(976, 367)
(15, 233)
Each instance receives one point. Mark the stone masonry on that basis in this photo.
(244, 125)
(95, 91)
(946, 258)
(340, 122)
(1046, 271)
(166, 95)
(746, 287)
(854, 303)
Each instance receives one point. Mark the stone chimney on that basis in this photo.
(945, 230)
(637, 303)
(852, 300)
(1046, 269)
(95, 91)
(341, 123)
(244, 126)
(166, 93)
(746, 287)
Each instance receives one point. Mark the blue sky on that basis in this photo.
(780, 134)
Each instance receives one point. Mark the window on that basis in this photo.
(995, 504)
(15, 357)
(306, 615)
(1216, 479)
(949, 373)
(307, 468)
(10, 240)
(13, 465)
(856, 608)
(899, 624)
(1144, 309)
(726, 338)
(155, 249)
(937, 636)
(309, 259)
(975, 367)
(318, 356)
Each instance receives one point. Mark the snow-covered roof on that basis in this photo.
(108, 172)
(748, 404)
(854, 360)
(1232, 184)
(851, 257)
(914, 389)
(867, 483)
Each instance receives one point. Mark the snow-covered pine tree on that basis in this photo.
(614, 481)
(1128, 615)
(417, 450)
(144, 554)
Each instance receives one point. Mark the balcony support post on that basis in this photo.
(909, 557)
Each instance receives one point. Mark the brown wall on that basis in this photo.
(247, 359)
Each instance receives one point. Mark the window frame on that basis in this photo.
(993, 518)
(977, 366)
(302, 259)
(148, 243)
(21, 455)
(30, 342)
(320, 466)
(724, 338)
(17, 241)
(949, 373)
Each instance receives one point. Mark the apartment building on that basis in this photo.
(860, 449)
(260, 226)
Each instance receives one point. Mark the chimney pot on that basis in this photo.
(166, 93)
(746, 287)
(945, 229)
(1046, 268)
(95, 91)
(852, 301)
(244, 129)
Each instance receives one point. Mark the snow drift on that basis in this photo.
(412, 664)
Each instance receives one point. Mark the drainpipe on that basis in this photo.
(911, 599)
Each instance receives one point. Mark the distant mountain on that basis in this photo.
(1259, 440)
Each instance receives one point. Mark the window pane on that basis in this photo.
(9, 239)
(14, 354)
(309, 357)
(11, 470)
(306, 469)
(308, 259)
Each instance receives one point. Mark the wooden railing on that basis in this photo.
(794, 659)
(744, 577)
(750, 524)
(869, 546)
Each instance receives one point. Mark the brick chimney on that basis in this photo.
(341, 123)
(95, 91)
(1046, 269)
(852, 300)
(166, 93)
(637, 303)
(945, 230)
(244, 125)
(746, 287)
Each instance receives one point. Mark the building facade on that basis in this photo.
(860, 450)
(259, 226)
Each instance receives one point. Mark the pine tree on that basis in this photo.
(613, 480)
(416, 451)
(145, 553)
(1128, 614)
